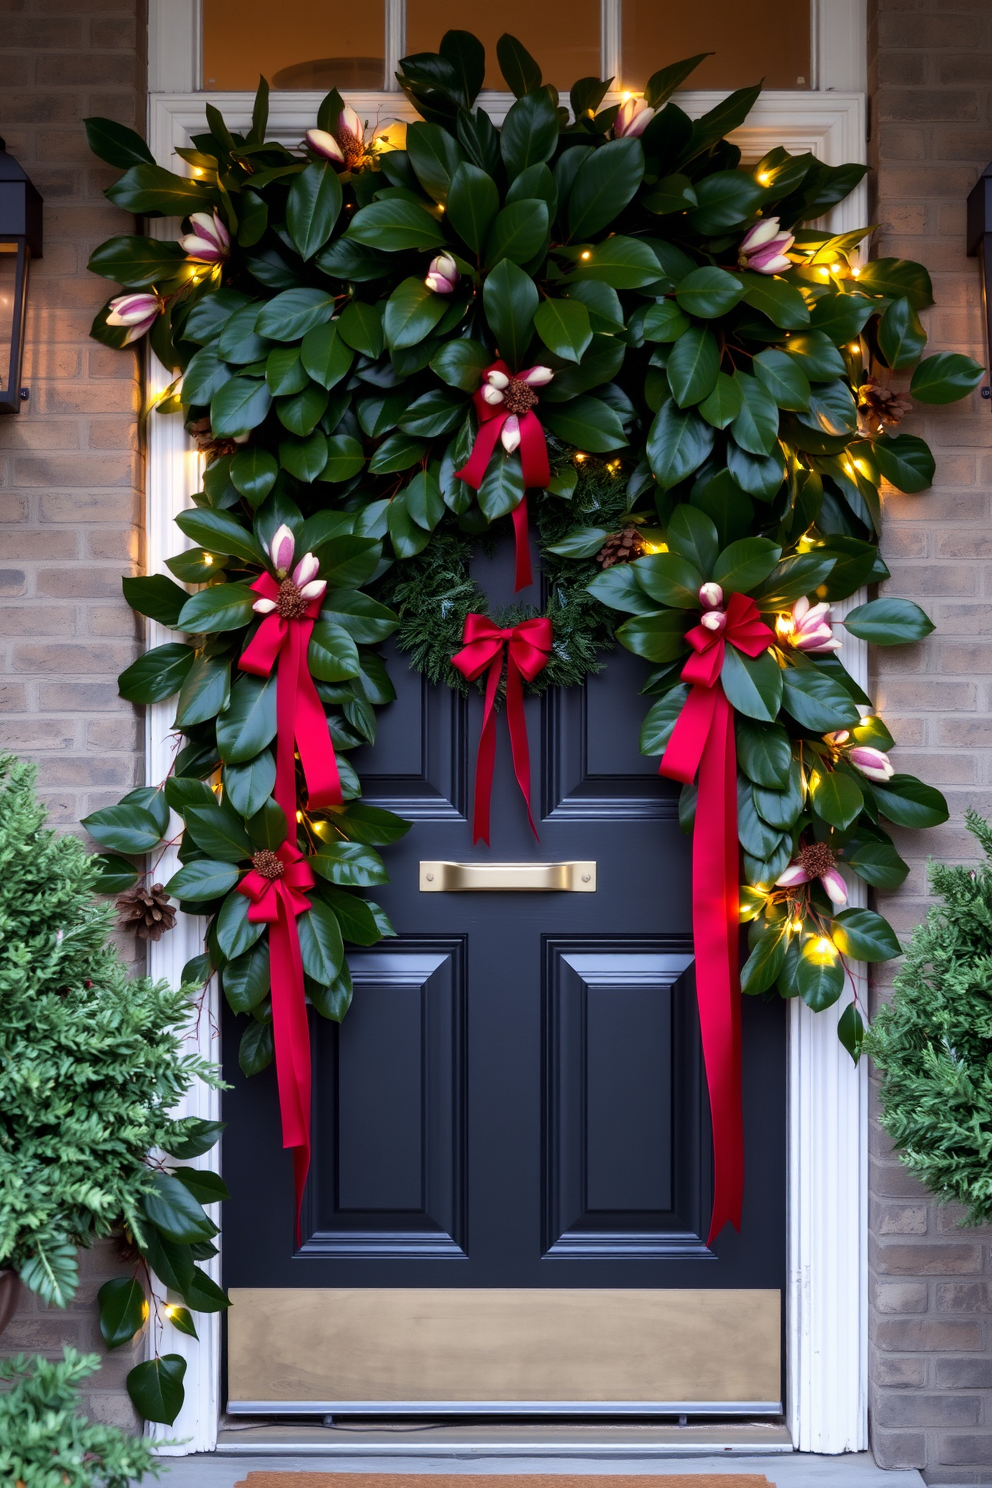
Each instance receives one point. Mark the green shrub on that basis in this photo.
(91, 1060)
(933, 1042)
(46, 1443)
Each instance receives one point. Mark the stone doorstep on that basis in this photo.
(788, 1470)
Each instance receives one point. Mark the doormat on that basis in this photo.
(501, 1480)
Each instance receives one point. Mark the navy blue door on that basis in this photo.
(516, 1097)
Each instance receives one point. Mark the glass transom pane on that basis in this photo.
(565, 45)
(297, 44)
(750, 42)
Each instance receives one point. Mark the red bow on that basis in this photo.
(704, 740)
(278, 901)
(533, 461)
(526, 647)
(301, 722)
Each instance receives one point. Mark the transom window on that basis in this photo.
(316, 46)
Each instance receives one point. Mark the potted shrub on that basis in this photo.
(92, 1063)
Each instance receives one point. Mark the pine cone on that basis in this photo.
(202, 435)
(146, 910)
(622, 547)
(879, 405)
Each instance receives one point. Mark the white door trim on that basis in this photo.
(827, 1096)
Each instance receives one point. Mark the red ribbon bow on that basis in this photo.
(704, 740)
(278, 901)
(301, 722)
(533, 460)
(526, 647)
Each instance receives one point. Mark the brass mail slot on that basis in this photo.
(446, 878)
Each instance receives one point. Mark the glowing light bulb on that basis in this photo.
(169, 1310)
(795, 927)
(763, 178)
(824, 273)
(855, 272)
(207, 559)
(626, 97)
(299, 816)
(650, 547)
(585, 254)
(580, 457)
(823, 951)
(784, 626)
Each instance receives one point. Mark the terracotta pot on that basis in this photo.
(10, 1291)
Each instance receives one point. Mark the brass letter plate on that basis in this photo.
(447, 878)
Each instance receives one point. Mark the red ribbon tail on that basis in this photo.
(521, 533)
(291, 1032)
(715, 887)
(485, 759)
(474, 470)
(320, 766)
(516, 722)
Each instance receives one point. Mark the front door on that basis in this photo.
(511, 1184)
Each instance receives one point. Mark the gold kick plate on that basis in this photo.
(447, 878)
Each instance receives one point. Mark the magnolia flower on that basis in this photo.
(871, 762)
(325, 145)
(808, 628)
(138, 312)
(711, 596)
(715, 620)
(763, 247)
(515, 392)
(443, 274)
(815, 860)
(209, 242)
(634, 117)
(298, 588)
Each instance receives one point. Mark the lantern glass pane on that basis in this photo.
(565, 49)
(749, 42)
(300, 45)
(8, 304)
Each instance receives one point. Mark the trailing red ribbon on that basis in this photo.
(704, 740)
(301, 722)
(533, 460)
(278, 901)
(526, 647)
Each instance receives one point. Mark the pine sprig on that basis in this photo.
(933, 1041)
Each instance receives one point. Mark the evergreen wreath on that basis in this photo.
(377, 339)
(933, 1041)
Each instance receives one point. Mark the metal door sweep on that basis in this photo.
(446, 878)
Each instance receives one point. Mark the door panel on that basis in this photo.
(516, 1098)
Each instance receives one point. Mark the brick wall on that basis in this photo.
(931, 111)
(70, 485)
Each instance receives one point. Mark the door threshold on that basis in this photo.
(539, 1440)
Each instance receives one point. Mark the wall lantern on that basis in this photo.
(20, 241)
(980, 246)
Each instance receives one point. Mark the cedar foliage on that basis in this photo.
(46, 1443)
(933, 1041)
(91, 1060)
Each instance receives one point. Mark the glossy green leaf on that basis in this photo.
(721, 406)
(520, 72)
(605, 182)
(693, 366)
(325, 355)
(709, 292)
(313, 206)
(235, 932)
(352, 864)
(762, 967)
(239, 406)
(563, 326)
(896, 278)
(851, 1031)
(460, 363)
(219, 608)
(510, 299)
(678, 442)
(345, 458)
(877, 863)
(726, 200)
(745, 564)
(203, 879)
(294, 312)
(530, 131)
(588, 423)
(657, 637)
(764, 753)
(945, 378)
(664, 321)
(755, 428)
(332, 655)
(781, 302)
(836, 798)
(889, 622)
(782, 377)
(220, 532)
(124, 828)
(249, 723)
(115, 874)
(820, 982)
(864, 936)
(753, 685)
(905, 462)
(908, 802)
(395, 225)
(246, 978)
(123, 1307)
(360, 326)
(217, 829)
(321, 945)
(253, 473)
(155, 596)
(901, 337)
(412, 311)
(670, 579)
(816, 701)
(248, 785)
(156, 1388)
(116, 143)
(172, 1209)
(620, 262)
(659, 725)
(257, 1048)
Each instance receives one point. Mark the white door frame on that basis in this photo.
(827, 1096)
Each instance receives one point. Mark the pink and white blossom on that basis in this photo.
(303, 582)
(764, 246)
(711, 596)
(715, 620)
(871, 762)
(138, 312)
(817, 856)
(634, 117)
(443, 275)
(209, 241)
(282, 546)
(808, 628)
(325, 145)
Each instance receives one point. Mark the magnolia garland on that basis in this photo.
(378, 336)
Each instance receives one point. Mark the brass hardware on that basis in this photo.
(447, 878)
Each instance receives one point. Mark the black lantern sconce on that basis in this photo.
(980, 246)
(20, 241)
